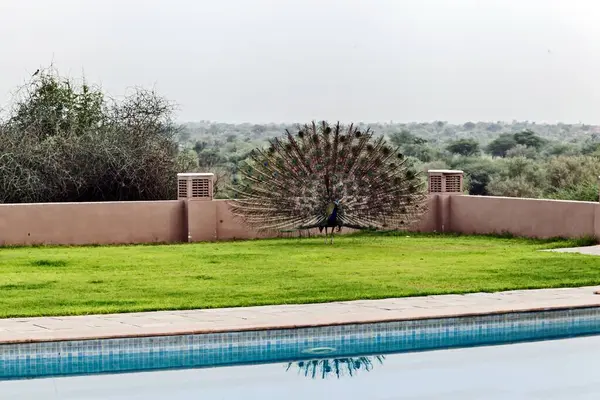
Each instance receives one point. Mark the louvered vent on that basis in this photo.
(435, 184)
(196, 186)
(200, 187)
(445, 181)
(453, 183)
(182, 188)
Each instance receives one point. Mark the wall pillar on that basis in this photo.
(196, 189)
(201, 221)
(443, 184)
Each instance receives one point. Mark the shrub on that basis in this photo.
(68, 142)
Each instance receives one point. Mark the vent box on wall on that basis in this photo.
(445, 181)
(195, 186)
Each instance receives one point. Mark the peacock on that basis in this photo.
(328, 177)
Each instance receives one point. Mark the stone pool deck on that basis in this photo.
(19, 330)
(589, 250)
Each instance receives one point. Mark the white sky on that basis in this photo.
(297, 60)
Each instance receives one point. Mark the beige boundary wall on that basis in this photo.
(92, 223)
(175, 221)
(521, 217)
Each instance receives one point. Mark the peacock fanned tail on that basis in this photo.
(293, 183)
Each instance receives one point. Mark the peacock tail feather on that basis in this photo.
(294, 182)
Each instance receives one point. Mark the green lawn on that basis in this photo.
(83, 280)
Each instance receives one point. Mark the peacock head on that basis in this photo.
(336, 203)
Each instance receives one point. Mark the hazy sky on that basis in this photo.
(297, 60)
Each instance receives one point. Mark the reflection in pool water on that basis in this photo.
(347, 366)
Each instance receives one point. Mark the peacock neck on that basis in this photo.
(333, 215)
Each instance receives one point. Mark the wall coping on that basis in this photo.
(445, 171)
(196, 174)
(525, 198)
(72, 203)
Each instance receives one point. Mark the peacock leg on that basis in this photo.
(325, 235)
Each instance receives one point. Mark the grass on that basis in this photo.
(38, 281)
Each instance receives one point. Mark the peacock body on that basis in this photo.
(328, 177)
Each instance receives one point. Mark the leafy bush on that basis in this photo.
(68, 142)
(582, 192)
(515, 187)
(568, 172)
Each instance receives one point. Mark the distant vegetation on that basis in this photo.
(62, 140)
(517, 159)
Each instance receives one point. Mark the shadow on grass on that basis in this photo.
(27, 286)
(48, 263)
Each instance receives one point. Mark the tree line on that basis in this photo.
(517, 159)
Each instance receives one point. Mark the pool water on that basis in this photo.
(553, 369)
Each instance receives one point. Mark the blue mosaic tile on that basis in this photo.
(234, 348)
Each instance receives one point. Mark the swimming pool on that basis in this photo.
(87, 357)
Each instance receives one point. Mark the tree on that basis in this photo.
(423, 153)
(557, 149)
(209, 159)
(187, 161)
(412, 145)
(464, 147)
(528, 138)
(222, 180)
(503, 143)
(185, 135)
(519, 177)
(50, 105)
(522, 151)
(494, 127)
(405, 137)
(479, 171)
(469, 125)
